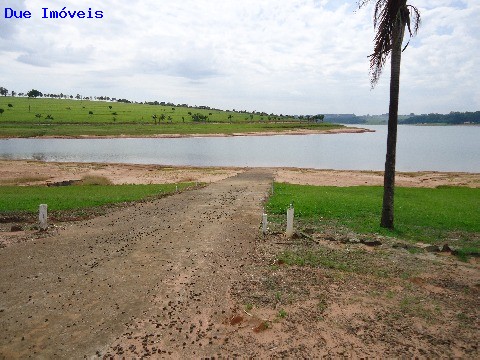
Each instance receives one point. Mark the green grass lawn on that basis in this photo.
(426, 215)
(61, 117)
(28, 198)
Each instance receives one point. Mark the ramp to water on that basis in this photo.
(151, 278)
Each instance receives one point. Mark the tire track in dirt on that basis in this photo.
(151, 279)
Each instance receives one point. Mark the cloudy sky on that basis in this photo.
(281, 56)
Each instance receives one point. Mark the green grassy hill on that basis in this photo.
(28, 117)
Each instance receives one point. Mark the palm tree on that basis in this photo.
(390, 19)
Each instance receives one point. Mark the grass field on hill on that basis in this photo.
(28, 117)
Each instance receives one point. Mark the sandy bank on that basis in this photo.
(346, 130)
(30, 172)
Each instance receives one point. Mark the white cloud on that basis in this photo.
(300, 56)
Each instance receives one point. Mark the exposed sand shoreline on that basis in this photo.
(33, 172)
(345, 130)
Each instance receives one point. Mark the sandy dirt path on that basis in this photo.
(153, 278)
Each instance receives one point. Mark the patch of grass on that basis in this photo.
(426, 215)
(466, 319)
(416, 307)
(466, 252)
(314, 259)
(390, 294)
(342, 260)
(414, 250)
(322, 304)
(27, 199)
(282, 314)
(23, 180)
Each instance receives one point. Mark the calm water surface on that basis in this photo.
(436, 148)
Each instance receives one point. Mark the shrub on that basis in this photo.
(95, 180)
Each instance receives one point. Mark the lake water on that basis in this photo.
(435, 148)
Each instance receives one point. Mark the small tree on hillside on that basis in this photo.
(34, 93)
(2, 111)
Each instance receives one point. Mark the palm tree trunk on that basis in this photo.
(389, 176)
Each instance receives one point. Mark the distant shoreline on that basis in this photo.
(419, 124)
(345, 130)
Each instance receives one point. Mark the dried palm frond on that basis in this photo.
(389, 20)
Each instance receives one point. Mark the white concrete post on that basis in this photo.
(42, 216)
(290, 213)
(264, 224)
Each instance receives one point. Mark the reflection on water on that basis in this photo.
(419, 148)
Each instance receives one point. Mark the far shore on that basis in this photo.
(343, 130)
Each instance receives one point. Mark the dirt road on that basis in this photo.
(153, 278)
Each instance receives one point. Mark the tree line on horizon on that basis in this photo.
(453, 118)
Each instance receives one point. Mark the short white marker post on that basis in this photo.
(290, 213)
(176, 188)
(264, 224)
(42, 217)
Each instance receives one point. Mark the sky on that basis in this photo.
(284, 57)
